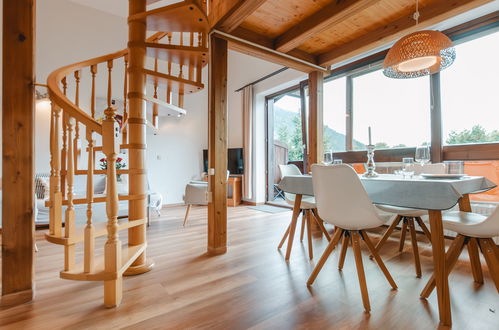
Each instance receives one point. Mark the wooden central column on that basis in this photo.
(217, 147)
(137, 180)
(18, 151)
(315, 120)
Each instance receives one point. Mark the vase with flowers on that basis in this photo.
(120, 163)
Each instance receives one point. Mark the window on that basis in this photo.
(334, 115)
(288, 124)
(397, 110)
(470, 95)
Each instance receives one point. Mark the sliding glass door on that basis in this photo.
(286, 137)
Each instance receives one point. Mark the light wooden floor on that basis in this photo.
(249, 287)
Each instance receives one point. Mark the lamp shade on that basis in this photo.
(419, 54)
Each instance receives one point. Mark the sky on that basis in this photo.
(398, 110)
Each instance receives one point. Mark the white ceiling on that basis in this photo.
(117, 7)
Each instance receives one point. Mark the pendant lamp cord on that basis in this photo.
(416, 13)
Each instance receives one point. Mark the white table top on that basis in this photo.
(419, 193)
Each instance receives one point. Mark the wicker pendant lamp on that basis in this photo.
(419, 54)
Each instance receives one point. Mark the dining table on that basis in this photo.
(432, 194)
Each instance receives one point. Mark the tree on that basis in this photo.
(381, 145)
(477, 134)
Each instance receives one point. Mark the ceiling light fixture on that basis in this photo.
(419, 54)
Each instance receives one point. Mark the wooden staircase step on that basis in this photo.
(185, 55)
(185, 16)
(128, 256)
(176, 84)
(100, 229)
(165, 109)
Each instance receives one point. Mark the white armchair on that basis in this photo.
(196, 193)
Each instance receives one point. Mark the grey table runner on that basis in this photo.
(419, 193)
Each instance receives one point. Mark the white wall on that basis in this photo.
(180, 141)
(68, 33)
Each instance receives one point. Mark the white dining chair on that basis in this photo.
(308, 210)
(476, 232)
(343, 202)
(409, 217)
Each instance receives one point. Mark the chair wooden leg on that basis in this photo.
(309, 235)
(378, 259)
(425, 229)
(451, 257)
(402, 235)
(187, 213)
(360, 270)
(476, 267)
(303, 220)
(415, 251)
(488, 248)
(387, 233)
(343, 252)
(320, 223)
(284, 237)
(292, 228)
(325, 255)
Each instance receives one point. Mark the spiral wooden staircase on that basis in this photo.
(181, 43)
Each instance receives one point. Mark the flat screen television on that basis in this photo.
(235, 163)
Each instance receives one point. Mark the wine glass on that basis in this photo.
(328, 158)
(422, 155)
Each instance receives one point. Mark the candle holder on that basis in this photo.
(371, 166)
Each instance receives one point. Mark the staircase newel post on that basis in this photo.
(137, 135)
(112, 249)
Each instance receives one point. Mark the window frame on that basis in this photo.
(478, 151)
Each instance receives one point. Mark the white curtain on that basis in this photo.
(248, 142)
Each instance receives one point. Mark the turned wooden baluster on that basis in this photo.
(180, 100)
(190, 64)
(109, 82)
(69, 224)
(125, 104)
(168, 94)
(93, 71)
(112, 248)
(169, 36)
(76, 149)
(55, 222)
(155, 112)
(199, 64)
(181, 38)
(89, 243)
(64, 142)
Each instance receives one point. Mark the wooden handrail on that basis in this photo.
(57, 96)
(70, 108)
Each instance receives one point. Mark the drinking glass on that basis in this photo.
(422, 155)
(328, 158)
(337, 161)
(408, 167)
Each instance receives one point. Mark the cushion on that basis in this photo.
(41, 188)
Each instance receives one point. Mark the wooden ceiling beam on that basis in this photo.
(269, 43)
(254, 49)
(332, 14)
(430, 15)
(229, 14)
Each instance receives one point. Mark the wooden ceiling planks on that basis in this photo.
(326, 32)
(275, 17)
(373, 17)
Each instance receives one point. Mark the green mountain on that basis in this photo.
(287, 129)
